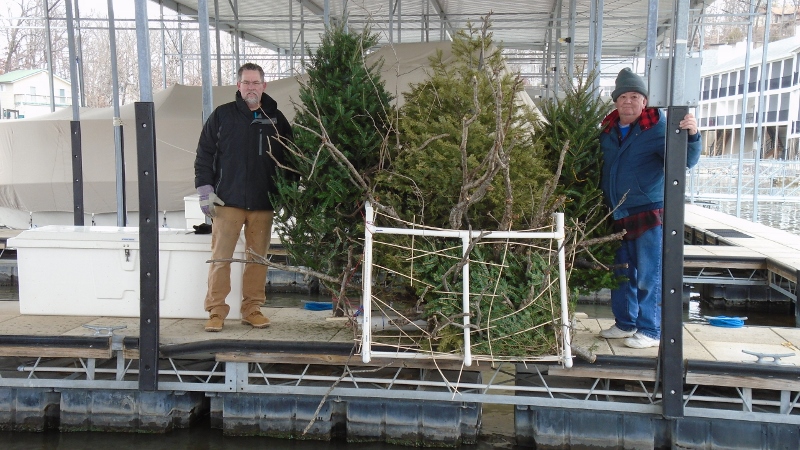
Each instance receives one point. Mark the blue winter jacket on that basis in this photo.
(636, 165)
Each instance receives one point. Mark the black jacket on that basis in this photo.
(236, 150)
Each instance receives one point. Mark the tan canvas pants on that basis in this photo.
(225, 232)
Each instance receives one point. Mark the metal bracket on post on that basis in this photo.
(236, 376)
(148, 246)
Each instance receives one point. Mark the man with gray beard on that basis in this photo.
(240, 152)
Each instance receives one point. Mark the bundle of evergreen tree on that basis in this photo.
(468, 157)
(340, 132)
(571, 129)
(471, 155)
(469, 160)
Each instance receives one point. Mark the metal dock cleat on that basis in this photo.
(101, 330)
(776, 357)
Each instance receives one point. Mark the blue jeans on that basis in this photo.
(636, 303)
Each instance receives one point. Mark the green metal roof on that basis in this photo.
(16, 75)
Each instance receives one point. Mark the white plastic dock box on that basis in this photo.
(192, 212)
(94, 271)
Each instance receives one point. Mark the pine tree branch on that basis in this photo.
(258, 259)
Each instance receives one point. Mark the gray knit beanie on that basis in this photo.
(628, 81)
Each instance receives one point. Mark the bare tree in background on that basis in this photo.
(23, 42)
(23, 37)
(730, 24)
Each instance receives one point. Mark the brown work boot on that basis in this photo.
(256, 320)
(214, 323)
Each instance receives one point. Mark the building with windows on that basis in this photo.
(721, 112)
(26, 93)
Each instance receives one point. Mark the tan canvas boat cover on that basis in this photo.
(35, 153)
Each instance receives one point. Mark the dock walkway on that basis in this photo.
(709, 231)
(725, 250)
(294, 324)
(303, 371)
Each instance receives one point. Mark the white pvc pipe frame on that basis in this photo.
(465, 235)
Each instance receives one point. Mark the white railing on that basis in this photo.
(719, 179)
(466, 236)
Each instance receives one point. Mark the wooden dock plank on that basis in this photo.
(55, 352)
(341, 360)
(604, 372)
(739, 381)
(779, 249)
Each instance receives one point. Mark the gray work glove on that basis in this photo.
(209, 200)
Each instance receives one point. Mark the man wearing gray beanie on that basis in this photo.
(633, 139)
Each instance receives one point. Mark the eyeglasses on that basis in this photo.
(251, 83)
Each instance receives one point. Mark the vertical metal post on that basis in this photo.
(243, 49)
(180, 45)
(49, 49)
(423, 22)
(557, 65)
(291, 37)
(465, 240)
(391, 21)
(399, 5)
(595, 42)
(762, 109)
(796, 296)
(163, 46)
(671, 352)
(592, 26)
(743, 126)
(672, 292)
(562, 288)
(571, 47)
(75, 124)
(205, 58)
(547, 66)
(303, 34)
(148, 246)
(218, 43)
(366, 284)
(326, 13)
(652, 34)
(77, 172)
(119, 153)
(236, 38)
(148, 210)
(143, 52)
(79, 53)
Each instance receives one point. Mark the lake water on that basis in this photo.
(781, 215)
(197, 438)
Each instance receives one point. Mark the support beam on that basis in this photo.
(671, 352)
(148, 209)
(205, 58)
(762, 99)
(119, 153)
(75, 125)
(148, 246)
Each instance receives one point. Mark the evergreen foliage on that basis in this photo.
(467, 150)
(514, 299)
(574, 120)
(340, 130)
(469, 160)
(471, 155)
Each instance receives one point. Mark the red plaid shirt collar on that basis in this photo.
(647, 120)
